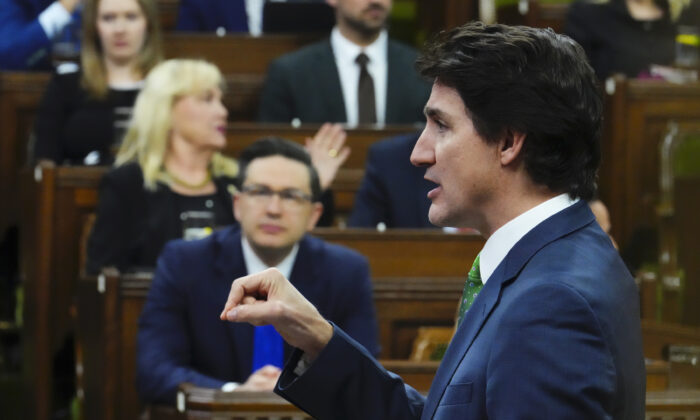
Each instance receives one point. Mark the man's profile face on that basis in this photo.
(457, 159)
(270, 216)
(365, 16)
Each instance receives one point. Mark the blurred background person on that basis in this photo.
(357, 76)
(171, 180)
(180, 337)
(393, 192)
(244, 16)
(30, 28)
(627, 36)
(168, 166)
(84, 110)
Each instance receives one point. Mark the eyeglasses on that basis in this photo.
(288, 197)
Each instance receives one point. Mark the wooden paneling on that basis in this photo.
(637, 116)
(19, 95)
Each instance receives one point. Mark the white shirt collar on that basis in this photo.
(255, 265)
(345, 53)
(503, 239)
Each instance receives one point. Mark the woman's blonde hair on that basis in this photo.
(94, 78)
(146, 140)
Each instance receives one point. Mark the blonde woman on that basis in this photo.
(85, 107)
(168, 171)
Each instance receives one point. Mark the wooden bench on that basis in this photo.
(202, 403)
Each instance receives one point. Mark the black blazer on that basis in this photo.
(133, 224)
(305, 84)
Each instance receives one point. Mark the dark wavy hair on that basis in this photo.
(531, 81)
(276, 146)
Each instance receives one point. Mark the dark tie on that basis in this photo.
(365, 93)
(471, 288)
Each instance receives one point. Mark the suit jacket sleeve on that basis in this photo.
(370, 205)
(552, 362)
(276, 100)
(164, 352)
(346, 382)
(21, 36)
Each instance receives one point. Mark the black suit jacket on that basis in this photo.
(305, 85)
(133, 224)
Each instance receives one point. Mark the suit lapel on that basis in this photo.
(328, 81)
(394, 84)
(230, 265)
(566, 221)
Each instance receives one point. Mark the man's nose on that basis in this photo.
(423, 153)
(274, 206)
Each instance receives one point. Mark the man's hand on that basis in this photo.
(328, 152)
(267, 298)
(69, 5)
(263, 379)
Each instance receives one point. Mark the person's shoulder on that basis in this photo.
(395, 144)
(304, 54)
(397, 48)
(333, 254)
(587, 7)
(126, 174)
(200, 251)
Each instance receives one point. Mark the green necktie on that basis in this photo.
(472, 287)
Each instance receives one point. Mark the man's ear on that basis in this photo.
(511, 146)
(316, 212)
(236, 197)
(332, 3)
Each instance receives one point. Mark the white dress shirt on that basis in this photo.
(345, 53)
(54, 18)
(254, 264)
(503, 239)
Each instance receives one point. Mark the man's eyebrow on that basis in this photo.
(431, 112)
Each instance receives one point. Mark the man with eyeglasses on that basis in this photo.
(181, 338)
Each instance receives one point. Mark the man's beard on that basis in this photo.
(363, 27)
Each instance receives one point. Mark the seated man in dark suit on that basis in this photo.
(180, 337)
(357, 76)
(253, 16)
(393, 192)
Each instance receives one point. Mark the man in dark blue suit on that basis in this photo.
(180, 337)
(324, 82)
(393, 191)
(28, 28)
(549, 322)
